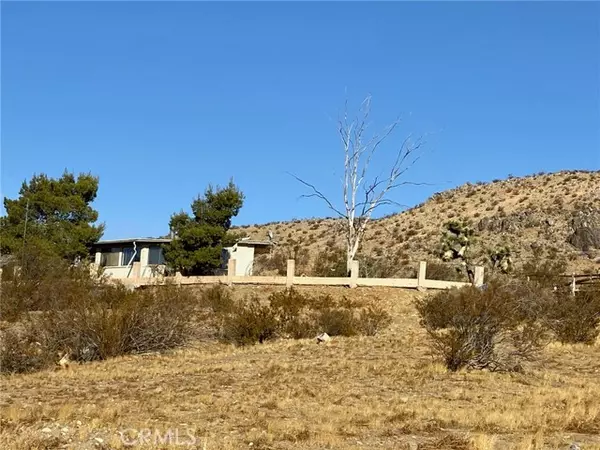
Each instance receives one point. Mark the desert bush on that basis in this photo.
(337, 322)
(347, 317)
(249, 323)
(292, 314)
(218, 299)
(291, 307)
(495, 328)
(575, 318)
(69, 311)
(21, 352)
(41, 283)
(118, 321)
(544, 269)
(372, 320)
(330, 263)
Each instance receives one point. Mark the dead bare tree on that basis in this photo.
(361, 197)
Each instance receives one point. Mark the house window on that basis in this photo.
(128, 253)
(110, 257)
(155, 256)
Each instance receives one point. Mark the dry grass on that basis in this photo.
(384, 391)
(543, 220)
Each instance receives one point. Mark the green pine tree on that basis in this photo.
(53, 216)
(199, 238)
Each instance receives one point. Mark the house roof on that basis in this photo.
(242, 242)
(136, 240)
(254, 243)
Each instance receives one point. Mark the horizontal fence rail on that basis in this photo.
(421, 282)
(575, 282)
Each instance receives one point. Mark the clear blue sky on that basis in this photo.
(160, 99)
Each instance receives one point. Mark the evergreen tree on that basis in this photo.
(199, 238)
(52, 215)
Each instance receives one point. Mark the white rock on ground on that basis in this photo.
(323, 337)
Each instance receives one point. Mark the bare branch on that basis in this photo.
(318, 194)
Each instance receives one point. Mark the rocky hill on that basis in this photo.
(555, 214)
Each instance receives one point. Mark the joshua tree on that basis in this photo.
(456, 243)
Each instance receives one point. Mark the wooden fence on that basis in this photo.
(421, 282)
(584, 282)
(575, 282)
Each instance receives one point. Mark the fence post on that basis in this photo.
(353, 273)
(230, 271)
(573, 286)
(478, 276)
(422, 276)
(291, 268)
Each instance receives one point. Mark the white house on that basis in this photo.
(131, 258)
(244, 252)
(143, 257)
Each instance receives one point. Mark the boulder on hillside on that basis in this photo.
(585, 238)
(500, 223)
(586, 229)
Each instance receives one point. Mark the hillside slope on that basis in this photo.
(553, 213)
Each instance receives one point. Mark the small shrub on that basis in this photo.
(218, 298)
(495, 328)
(546, 271)
(575, 319)
(330, 263)
(292, 314)
(103, 323)
(372, 320)
(331, 242)
(118, 322)
(249, 323)
(43, 283)
(412, 232)
(21, 352)
(337, 322)
(290, 309)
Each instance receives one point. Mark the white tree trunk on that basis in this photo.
(351, 254)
